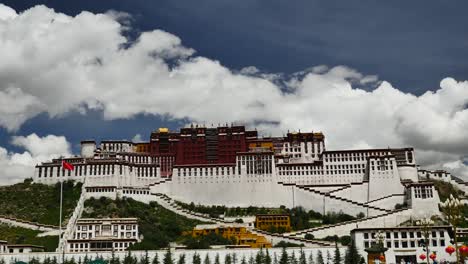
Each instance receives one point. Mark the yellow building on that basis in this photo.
(142, 147)
(268, 222)
(260, 145)
(242, 236)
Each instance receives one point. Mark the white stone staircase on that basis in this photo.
(168, 203)
(68, 231)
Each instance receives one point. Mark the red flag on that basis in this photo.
(67, 166)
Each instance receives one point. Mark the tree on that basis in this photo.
(234, 258)
(47, 260)
(337, 257)
(309, 236)
(144, 260)
(207, 259)
(168, 257)
(113, 260)
(243, 261)
(196, 259)
(258, 258)
(181, 259)
(284, 257)
(267, 258)
(217, 259)
(71, 261)
(129, 259)
(32, 261)
(362, 261)
(328, 257)
(311, 258)
(319, 257)
(302, 257)
(155, 259)
(352, 256)
(275, 258)
(251, 259)
(227, 259)
(293, 259)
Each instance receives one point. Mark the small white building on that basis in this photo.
(105, 234)
(3, 246)
(405, 243)
(21, 248)
(18, 248)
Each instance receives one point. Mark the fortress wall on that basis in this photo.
(389, 202)
(390, 220)
(240, 253)
(356, 193)
(247, 192)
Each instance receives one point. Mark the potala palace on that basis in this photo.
(232, 166)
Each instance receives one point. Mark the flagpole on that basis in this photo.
(61, 202)
(60, 214)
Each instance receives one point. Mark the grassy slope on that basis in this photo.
(37, 202)
(18, 235)
(446, 189)
(158, 225)
(300, 218)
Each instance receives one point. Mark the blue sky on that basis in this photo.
(413, 45)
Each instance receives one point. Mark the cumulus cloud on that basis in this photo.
(137, 138)
(18, 166)
(54, 63)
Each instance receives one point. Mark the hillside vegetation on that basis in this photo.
(446, 189)
(18, 235)
(158, 225)
(38, 202)
(300, 217)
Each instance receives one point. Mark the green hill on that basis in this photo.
(18, 235)
(38, 202)
(158, 225)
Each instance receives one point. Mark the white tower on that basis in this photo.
(87, 148)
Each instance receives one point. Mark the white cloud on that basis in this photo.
(137, 138)
(58, 63)
(7, 12)
(47, 146)
(18, 166)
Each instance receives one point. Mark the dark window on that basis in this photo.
(404, 244)
(366, 235)
(397, 244)
(413, 244)
(403, 235)
(387, 235)
(395, 234)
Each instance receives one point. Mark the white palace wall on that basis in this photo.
(388, 202)
(212, 253)
(356, 192)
